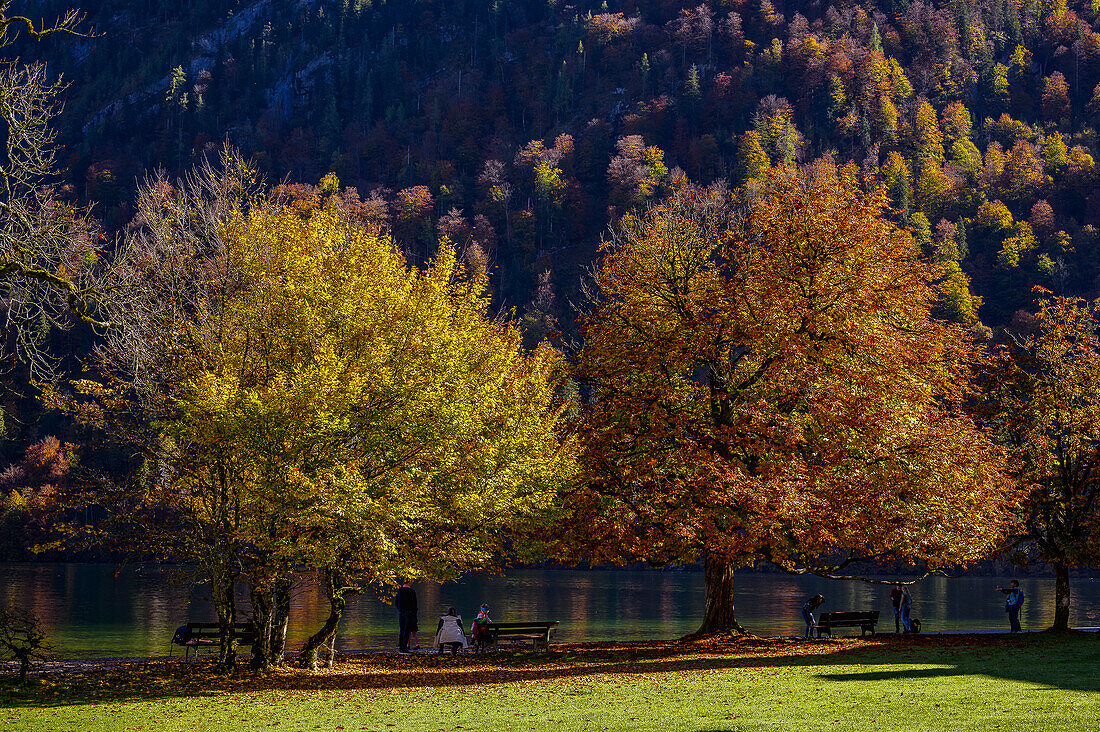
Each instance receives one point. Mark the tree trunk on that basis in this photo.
(261, 618)
(337, 597)
(331, 660)
(225, 606)
(270, 615)
(24, 668)
(280, 619)
(271, 612)
(1061, 597)
(719, 616)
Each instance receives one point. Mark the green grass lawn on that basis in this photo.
(1033, 682)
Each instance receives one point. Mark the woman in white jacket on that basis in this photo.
(449, 632)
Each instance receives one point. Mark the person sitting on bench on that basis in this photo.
(479, 629)
(449, 632)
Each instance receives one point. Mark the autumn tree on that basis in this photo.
(182, 499)
(29, 491)
(693, 31)
(767, 383)
(545, 169)
(1056, 105)
(927, 136)
(752, 161)
(412, 209)
(777, 133)
(956, 122)
(1044, 398)
(898, 182)
(318, 402)
(636, 173)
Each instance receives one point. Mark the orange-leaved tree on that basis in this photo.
(1045, 399)
(767, 383)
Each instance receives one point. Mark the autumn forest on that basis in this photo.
(528, 127)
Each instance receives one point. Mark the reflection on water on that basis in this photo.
(90, 610)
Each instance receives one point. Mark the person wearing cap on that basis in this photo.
(1014, 600)
(479, 629)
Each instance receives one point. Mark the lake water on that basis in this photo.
(91, 611)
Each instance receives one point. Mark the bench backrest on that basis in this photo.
(524, 626)
(239, 627)
(849, 616)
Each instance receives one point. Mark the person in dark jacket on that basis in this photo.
(406, 615)
(1014, 600)
(895, 600)
(808, 613)
(906, 607)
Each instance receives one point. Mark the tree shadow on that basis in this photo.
(1060, 661)
(1067, 662)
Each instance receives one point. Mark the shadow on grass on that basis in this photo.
(1069, 662)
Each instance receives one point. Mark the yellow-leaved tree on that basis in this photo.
(310, 399)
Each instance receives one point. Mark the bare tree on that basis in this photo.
(48, 252)
(22, 639)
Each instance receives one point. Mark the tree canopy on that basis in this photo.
(768, 383)
(302, 396)
(1044, 396)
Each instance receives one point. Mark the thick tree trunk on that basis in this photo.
(719, 616)
(337, 596)
(280, 619)
(1061, 597)
(270, 614)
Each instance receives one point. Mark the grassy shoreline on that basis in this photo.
(1040, 681)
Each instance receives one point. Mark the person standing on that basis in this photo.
(1014, 600)
(906, 606)
(895, 600)
(808, 613)
(406, 615)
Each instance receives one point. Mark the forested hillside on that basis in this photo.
(527, 126)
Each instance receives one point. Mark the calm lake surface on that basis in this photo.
(90, 611)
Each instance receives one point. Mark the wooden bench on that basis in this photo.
(198, 635)
(538, 632)
(865, 621)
